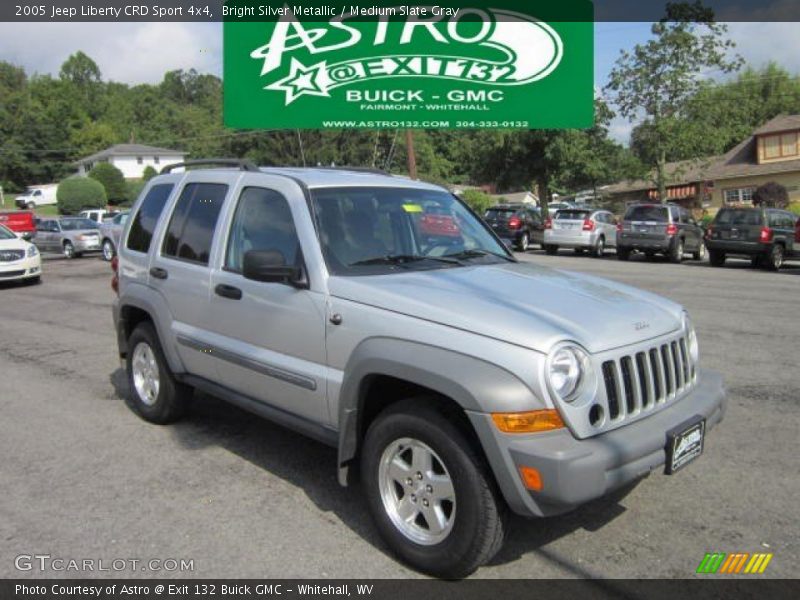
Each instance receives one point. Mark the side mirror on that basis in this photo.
(269, 266)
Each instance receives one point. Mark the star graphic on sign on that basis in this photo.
(301, 81)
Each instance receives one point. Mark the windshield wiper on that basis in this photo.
(402, 259)
(475, 253)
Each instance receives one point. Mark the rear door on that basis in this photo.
(536, 227)
(692, 235)
(180, 267)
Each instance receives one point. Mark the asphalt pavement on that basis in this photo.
(84, 478)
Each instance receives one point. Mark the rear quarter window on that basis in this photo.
(191, 228)
(146, 219)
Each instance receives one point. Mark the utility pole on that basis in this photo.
(412, 155)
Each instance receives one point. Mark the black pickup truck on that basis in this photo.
(767, 236)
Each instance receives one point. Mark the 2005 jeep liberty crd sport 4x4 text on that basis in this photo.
(457, 382)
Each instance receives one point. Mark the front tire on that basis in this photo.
(155, 395)
(430, 492)
(623, 254)
(69, 250)
(676, 255)
(31, 206)
(524, 243)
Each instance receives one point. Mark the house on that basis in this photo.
(771, 153)
(132, 159)
(516, 198)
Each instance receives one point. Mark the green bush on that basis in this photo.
(795, 208)
(113, 181)
(78, 193)
(477, 200)
(133, 190)
(148, 173)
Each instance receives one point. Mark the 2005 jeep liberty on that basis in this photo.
(455, 381)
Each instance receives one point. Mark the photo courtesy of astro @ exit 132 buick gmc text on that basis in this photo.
(369, 300)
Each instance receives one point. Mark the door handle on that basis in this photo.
(159, 273)
(228, 291)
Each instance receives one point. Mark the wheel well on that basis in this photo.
(378, 392)
(131, 317)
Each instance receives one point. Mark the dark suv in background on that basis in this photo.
(666, 229)
(764, 235)
(516, 224)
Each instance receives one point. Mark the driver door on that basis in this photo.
(269, 338)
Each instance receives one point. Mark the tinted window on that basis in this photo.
(76, 224)
(191, 228)
(572, 215)
(6, 234)
(647, 213)
(144, 223)
(499, 213)
(738, 216)
(263, 221)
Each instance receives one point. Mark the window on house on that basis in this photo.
(140, 160)
(739, 196)
(772, 147)
(789, 144)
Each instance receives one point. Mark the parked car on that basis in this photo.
(22, 222)
(517, 225)
(555, 206)
(589, 229)
(36, 196)
(459, 381)
(667, 229)
(98, 215)
(110, 232)
(72, 236)
(19, 259)
(767, 236)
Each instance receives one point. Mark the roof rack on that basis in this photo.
(372, 170)
(243, 165)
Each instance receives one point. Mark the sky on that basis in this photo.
(142, 52)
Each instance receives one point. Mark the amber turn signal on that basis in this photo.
(528, 422)
(531, 478)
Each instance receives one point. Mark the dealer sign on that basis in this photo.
(499, 65)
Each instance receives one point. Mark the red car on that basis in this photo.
(437, 223)
(19, 221)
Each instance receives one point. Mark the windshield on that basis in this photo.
(647, 213)
(75, 224)
(6, 233)
(740, 216)
(366, 231)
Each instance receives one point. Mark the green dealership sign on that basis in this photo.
(499, 64)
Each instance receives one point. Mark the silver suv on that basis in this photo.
(459, 383)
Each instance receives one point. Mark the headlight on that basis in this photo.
(32, 251)
(567, 369)
(691, 339)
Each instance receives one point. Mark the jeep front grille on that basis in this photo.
(641, 381)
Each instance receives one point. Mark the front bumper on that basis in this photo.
(576, 471)
(87, 245)
(21, 269)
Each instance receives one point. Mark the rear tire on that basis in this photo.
(524, 243)
(469, 530)
(623, 254)
(550, 249)
(108, 250)
(677, 251)
(701, 253)
(579, 251)
(716, 258)
(774, 260)
(757, 261)
(600, 247)
(155, 395)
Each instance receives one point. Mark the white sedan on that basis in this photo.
(18, 259)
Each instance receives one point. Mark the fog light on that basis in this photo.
(531, 478)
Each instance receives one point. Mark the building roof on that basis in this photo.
(515, 197)
(131, 150)
(779, 123)
(739, 161)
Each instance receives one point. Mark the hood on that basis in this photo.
(16, 244)
(520, 303)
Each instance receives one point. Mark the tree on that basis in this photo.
(80, 70)
(148, 173)
(477, 200)
(771, 194)
(113, 181)
(78, 193)
(658, 78)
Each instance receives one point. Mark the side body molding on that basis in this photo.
(474, 384)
